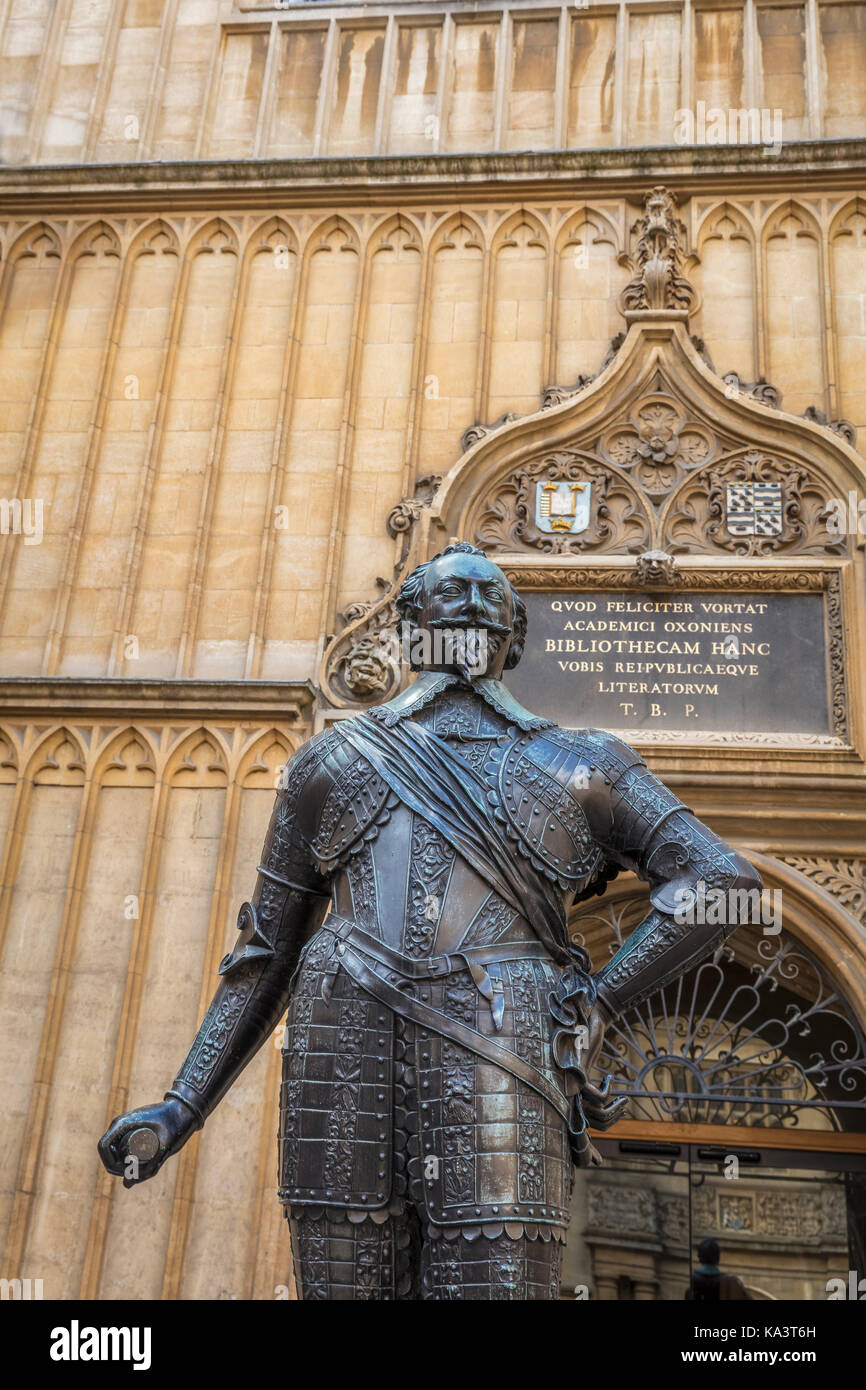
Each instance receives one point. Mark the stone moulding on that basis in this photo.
(660, 436)
(658, 409)
(659, 422)
(844, 877)
(290, 701)
(825, 163)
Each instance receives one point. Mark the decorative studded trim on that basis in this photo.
(534, 1230)
(355, 807)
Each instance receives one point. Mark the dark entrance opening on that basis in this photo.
(746, 1126)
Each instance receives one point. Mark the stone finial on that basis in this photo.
(659, 284)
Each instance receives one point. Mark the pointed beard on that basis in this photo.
(479, 648)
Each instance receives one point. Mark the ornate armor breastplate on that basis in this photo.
(532, 778)
(404, 882)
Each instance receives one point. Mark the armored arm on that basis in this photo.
(256, 977)
(700, 888)
(288, 905)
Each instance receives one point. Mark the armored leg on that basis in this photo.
(354, 1256)
(497, 1269)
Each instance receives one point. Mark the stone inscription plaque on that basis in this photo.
(751, 662)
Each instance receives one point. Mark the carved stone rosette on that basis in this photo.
(659, 444)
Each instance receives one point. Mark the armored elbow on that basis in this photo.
(745, 897)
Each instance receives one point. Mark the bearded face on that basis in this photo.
(468, 596)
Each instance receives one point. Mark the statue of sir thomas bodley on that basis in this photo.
(410, 913)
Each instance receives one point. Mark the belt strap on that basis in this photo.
(470, 1038)
(431, 967)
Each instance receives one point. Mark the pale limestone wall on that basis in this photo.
(322, 365)
(218, 412)
(219, 406)
(127, 853)
(187, 79)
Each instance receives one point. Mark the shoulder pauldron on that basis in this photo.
(355, 802)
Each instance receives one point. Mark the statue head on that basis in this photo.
(461, 591)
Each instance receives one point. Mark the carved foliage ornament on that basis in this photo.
(659, 444)
(708, 511)
(357, 667)
(844, 878)
(662, 480)
(659, 282)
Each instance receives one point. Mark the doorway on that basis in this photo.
(789, 1223)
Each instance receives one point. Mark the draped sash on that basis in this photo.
(432, 780)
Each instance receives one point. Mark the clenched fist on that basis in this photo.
(136, 1144)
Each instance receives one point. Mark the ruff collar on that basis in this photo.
(430, 683)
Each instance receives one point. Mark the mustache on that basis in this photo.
(470, 624)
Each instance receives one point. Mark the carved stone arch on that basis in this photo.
(58, 757)
(269, 236)
(127, 758)
(571, 368)
(656, 407)
(199, 758)
(776, 1013)
(380, 236)
(846, 265)
(798, 212)
(511, 222)
(10, 755)
(724, 228)
(448, 227)
(100, 240)
(605, 228)
(792, 253)
(156, 238)
(263, 759)
(216, 238)
(850, 212)
(40, 241)
(633, 439)
(325, 236)
(724, 222)
(825, 903)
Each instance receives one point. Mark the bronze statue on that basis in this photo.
(410, 913)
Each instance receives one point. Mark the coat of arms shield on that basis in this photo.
(562, 506)
(754, 509)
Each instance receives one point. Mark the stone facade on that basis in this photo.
(263, 267)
